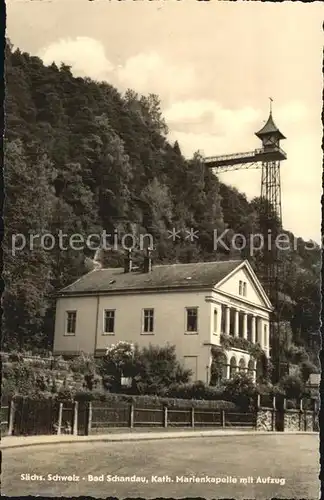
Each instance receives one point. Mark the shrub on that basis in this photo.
(241, 390)
(147, 401)
(83, 364)
(292, 386)
(196, 390)
(15, 357)
(157, 368)
(65, 394)
(306, 368)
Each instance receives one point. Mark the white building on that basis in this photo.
(187, 305)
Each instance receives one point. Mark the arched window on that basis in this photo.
(242, 365)
(233, 367)
(218, 370)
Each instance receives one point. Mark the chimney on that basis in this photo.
(128, 262)
(148, 261)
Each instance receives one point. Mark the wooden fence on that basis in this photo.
(4, 423)
(101, 417)
(29, 417)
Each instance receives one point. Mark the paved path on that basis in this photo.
(134, 435)
(228, 465)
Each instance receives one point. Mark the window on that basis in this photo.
(70, 323)
(215, 321)
(148, 320)
(109, 321)
(242, 288)
(192, 319)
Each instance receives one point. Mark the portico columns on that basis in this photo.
(253, 339)
(260, 332)
(227, 320)
(236, 324)
(244, 325)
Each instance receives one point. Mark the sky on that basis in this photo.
(214, 66)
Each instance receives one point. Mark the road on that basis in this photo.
(229, 465)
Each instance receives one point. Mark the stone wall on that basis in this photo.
(265, 420)
(293, 420)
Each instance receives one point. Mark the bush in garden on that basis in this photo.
(306, 368)
(156, 369)
(241, 390)
(83, 364)
(292, 386)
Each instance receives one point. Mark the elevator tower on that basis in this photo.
(267, 158)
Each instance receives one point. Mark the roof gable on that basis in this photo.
(255, 292)
(162, 277)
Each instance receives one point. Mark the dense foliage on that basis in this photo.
(82, 158)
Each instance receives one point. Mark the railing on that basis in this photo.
(253, 156)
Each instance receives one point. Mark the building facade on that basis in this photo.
(195, 307)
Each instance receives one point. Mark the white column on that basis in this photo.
(253, 338)
(236, 323)
(260, 332)
(227, 371)
(227, 320)
(244, 325)
(267, 338)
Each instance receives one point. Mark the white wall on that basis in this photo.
(169, 324)
(83, 340)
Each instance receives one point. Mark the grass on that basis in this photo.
(291, 457)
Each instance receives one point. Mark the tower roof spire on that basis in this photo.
(270, 128)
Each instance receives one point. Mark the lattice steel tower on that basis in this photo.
(268, 159)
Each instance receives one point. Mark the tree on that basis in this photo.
(156, 369)
(118, 362)
(27, 211)
(241, 390)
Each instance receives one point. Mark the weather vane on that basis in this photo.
(271, 101)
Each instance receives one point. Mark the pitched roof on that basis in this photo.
(269, 128)
(199, 274)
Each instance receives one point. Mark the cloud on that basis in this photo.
(145, 73)
(86, 56)
(210, 117)
(149, 72)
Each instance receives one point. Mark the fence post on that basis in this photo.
(75, 418)
(89, 419)
(258, 401)
(192, 416)
(11, 418)
(223, 421)
(131, 415)
(59, 423)
(165, 417)
(301, 414)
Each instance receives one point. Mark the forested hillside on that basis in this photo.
(80, 157)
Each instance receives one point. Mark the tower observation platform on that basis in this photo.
(249, 159)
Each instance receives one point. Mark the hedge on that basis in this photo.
(154, 401)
